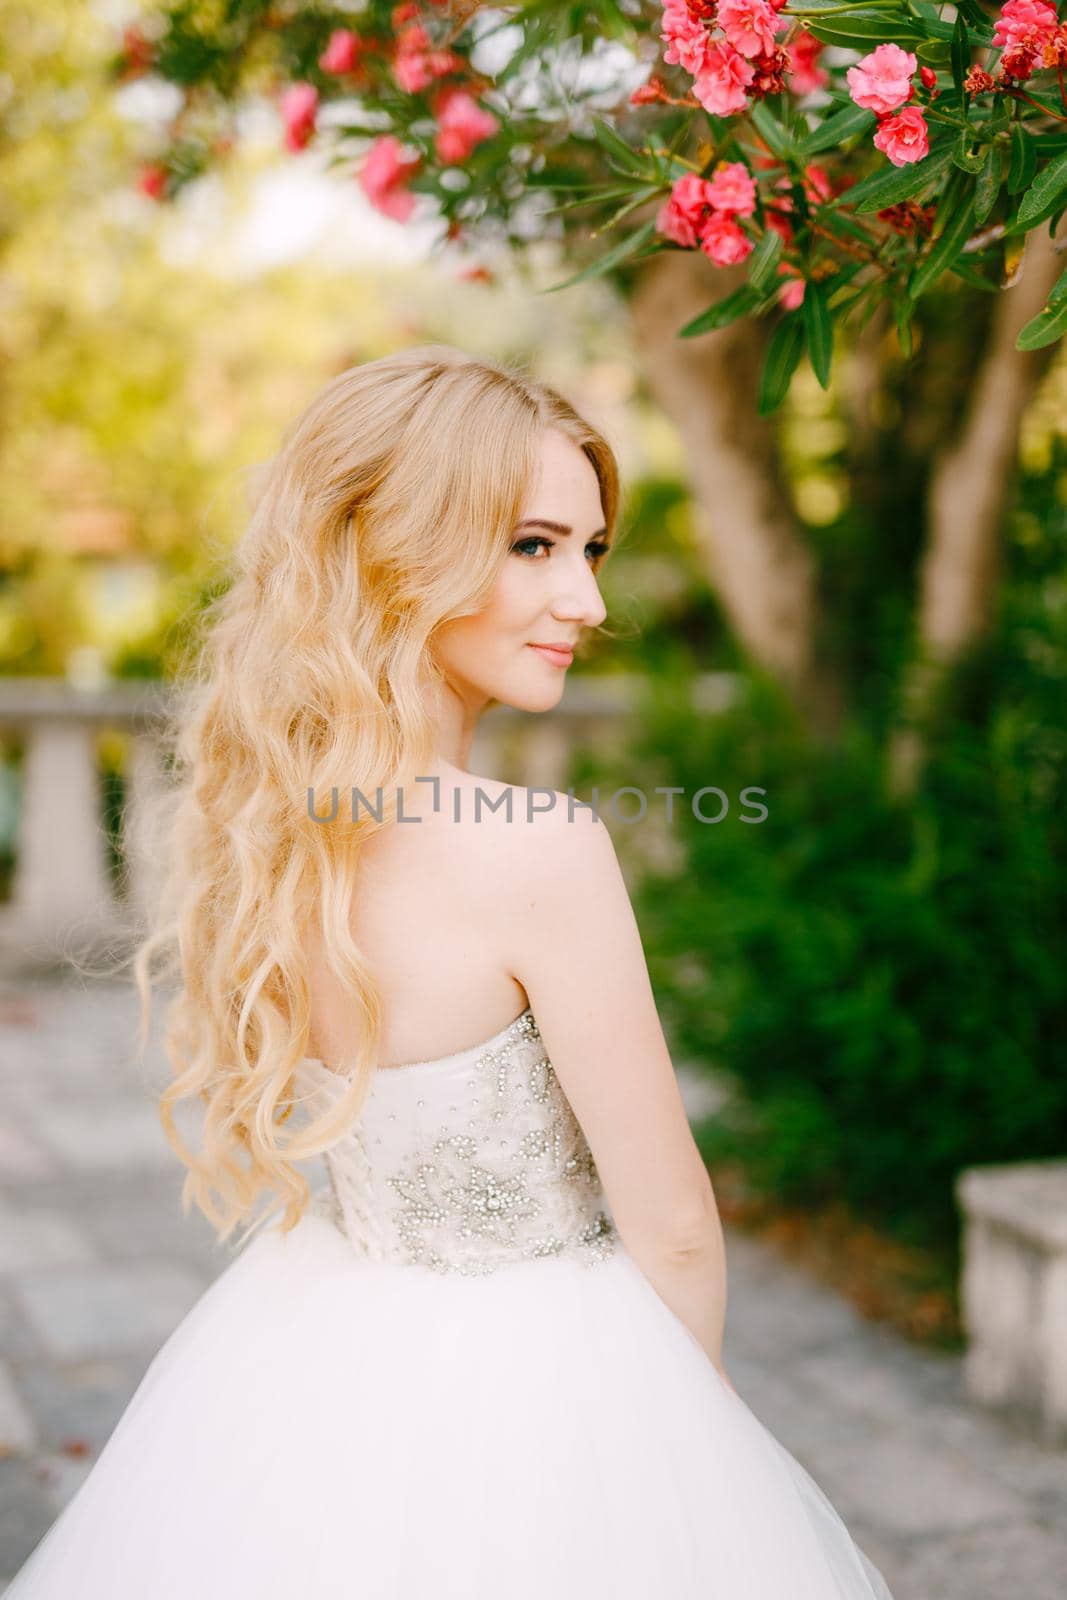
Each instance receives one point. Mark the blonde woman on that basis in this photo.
(486, 1359)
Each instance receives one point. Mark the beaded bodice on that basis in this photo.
(467, 1162)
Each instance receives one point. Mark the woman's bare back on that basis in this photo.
(430, 913)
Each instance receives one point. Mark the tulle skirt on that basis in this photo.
(323, 1426)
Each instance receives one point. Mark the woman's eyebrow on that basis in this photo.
(554, 527)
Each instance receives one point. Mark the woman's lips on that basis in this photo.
(558, 658)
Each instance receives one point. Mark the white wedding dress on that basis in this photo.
(448, 1382)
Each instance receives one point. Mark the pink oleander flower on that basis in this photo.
(816, 184)
(416, 65)
(1054, 48)
(152, 180)
(881, 81)
(791, 293)
(137, 51)
(903, 138)
(299, 107)
(781, 225)
(720, 86)
(750, 25)
(804, 73)
(1019, 62)
(684, 32)
(723, 242)
(680, 216)
(342, 52)
(384, 174)
(1024, 24)
(462, 124)
(732, 189)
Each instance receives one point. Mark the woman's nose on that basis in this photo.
(579, 598)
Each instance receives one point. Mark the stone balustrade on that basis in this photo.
(1014, 1290)
(65, 895)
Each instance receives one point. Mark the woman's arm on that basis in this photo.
(573, 943)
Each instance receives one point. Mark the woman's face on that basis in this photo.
(545, 593)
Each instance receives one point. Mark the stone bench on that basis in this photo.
(1014, 1290)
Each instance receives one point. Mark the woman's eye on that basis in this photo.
(599, 547)
(522, 546)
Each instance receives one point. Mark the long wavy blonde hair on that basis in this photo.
(387, 512)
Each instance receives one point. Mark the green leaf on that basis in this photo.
(1054, 107)
(961, 54)
(764, 259)
(855, 30)
(638, 198)
(838, 127)
(902, 311)
(626, 247)
(889, 186)
(861, 28)
(610, 141)
(837, 287)
(987, 186)
(935, 53)
(945, 248)
(818, 331)
(1051, 321)
(962, 268)
(847, 226)
(1044, 196)
(962, 155)
(722, 313)
(982, 29)
(978, 20)
(783, 352)
(1043, 329)
(596, 195)
(1023, 159)
(770, 130)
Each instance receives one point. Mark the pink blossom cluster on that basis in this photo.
(805, 74)
(881, 82)
(342, 52)
(703, 212)
(462, 124)
(818, 188)
(1031, 37)
(742, 61)
(299, 107)
(416, 63)
(462, 121)
(384, 174)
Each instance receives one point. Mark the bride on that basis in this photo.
(486, 1358)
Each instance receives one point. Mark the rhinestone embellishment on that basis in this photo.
(495, 1169)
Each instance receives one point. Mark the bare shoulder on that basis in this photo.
(522, 833)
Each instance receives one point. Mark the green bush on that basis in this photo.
(884, 980)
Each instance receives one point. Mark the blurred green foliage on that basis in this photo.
(882, 981)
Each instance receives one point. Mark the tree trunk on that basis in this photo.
(756, 559)
(967, 502)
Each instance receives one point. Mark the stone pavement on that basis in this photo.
(97, 1265)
